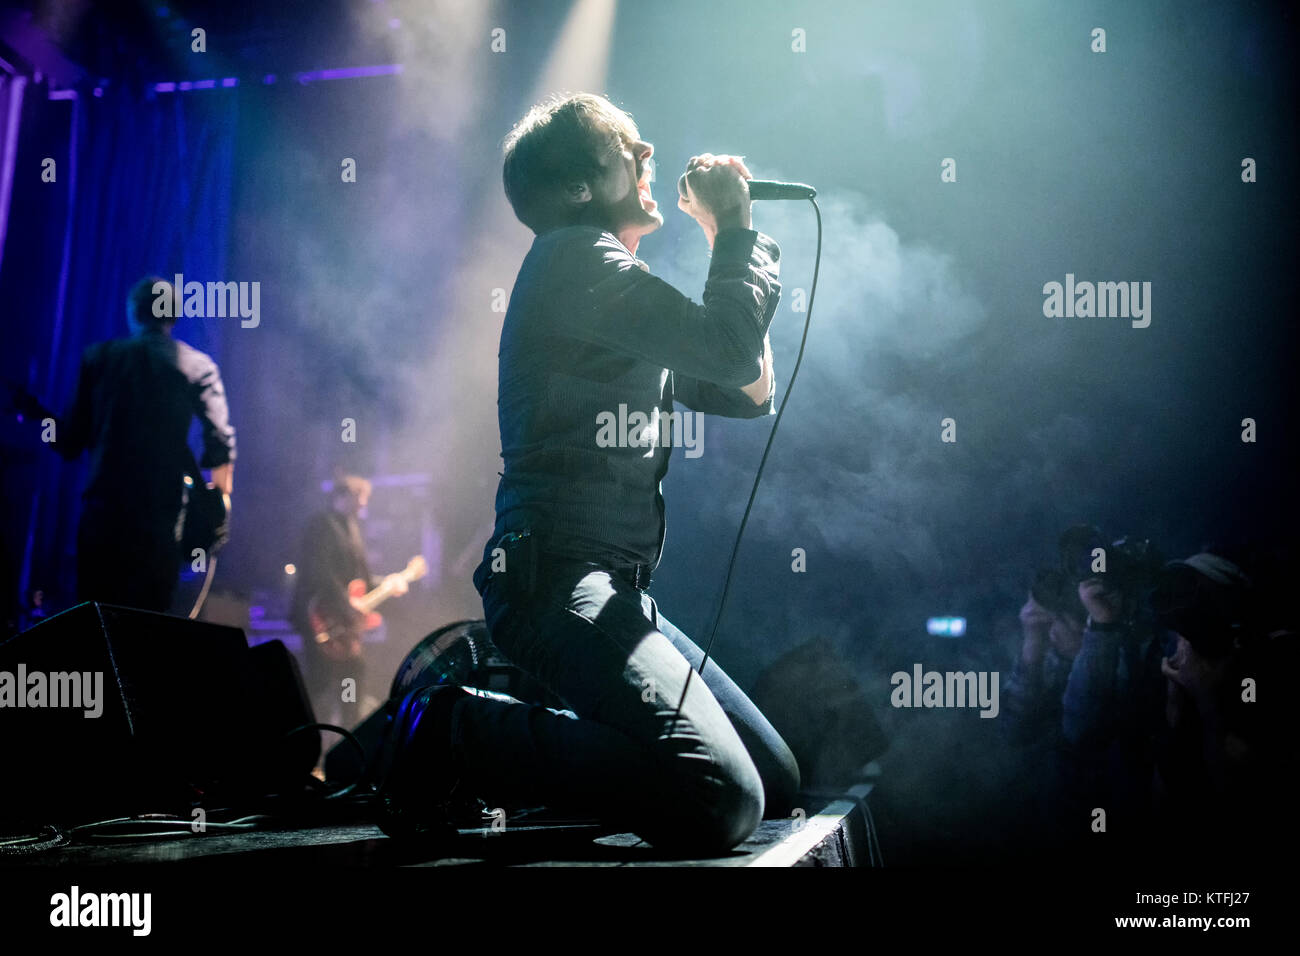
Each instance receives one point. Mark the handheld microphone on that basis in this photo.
(767, 189)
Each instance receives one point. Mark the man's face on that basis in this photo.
(352, 502)
(620, 197)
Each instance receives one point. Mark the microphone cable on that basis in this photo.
(744, 520)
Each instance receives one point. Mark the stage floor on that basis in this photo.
(838, 833)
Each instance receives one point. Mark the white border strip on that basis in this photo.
(808, 837)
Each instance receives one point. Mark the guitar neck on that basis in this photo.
(372, 599)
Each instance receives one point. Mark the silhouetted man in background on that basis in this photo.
(135, 398)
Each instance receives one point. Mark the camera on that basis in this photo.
(1130, 563)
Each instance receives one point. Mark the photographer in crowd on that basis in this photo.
(1111, 708)
(1142, 689)
(1051, 624)
(1219, 773)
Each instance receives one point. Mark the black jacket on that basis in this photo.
(134, 401)
(591, 337)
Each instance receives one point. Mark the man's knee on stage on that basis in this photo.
(715, 823)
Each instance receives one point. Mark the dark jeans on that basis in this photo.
(324, 679)
(127, 558)
(699, 783)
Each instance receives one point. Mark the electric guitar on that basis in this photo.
(340, 640)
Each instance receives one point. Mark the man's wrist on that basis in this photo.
(733, 220)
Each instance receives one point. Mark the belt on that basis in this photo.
(637, 575)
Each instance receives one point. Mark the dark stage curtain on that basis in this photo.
(143, 184)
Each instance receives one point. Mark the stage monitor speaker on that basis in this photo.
(812, 698)
(107, 710)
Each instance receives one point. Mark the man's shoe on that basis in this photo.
(418, 800)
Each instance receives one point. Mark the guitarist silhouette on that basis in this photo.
(335, 595)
